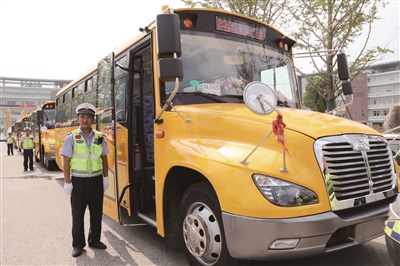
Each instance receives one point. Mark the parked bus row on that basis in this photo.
(41, 122)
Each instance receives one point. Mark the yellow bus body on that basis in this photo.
(209, 142)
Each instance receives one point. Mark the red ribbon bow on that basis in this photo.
(278, 128)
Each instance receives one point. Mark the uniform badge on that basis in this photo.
(78, 139)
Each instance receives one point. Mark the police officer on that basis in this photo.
(10, 143)
(85, 169)
(27, 148)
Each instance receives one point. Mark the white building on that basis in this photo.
(16, 93)
(383, 91)
(375, 91)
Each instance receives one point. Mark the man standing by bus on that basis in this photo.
(10, 144)
(27, 148)
(85, 169)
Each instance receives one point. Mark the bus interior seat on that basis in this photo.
(148, 124)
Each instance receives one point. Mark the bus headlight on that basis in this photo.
(52, 147)
(283, 193)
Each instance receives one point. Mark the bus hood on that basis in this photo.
(312, 124)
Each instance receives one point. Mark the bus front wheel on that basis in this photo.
(202, 233)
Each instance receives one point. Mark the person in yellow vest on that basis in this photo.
(85, 169)
(10, 144)
(26, 146)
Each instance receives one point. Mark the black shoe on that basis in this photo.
(98, 245)
(25, 170)
(31, 169)
(77, 252)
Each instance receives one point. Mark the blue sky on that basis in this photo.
(60, 39)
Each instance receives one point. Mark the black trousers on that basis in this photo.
(86, 192)
(10, 149)
(28, 154)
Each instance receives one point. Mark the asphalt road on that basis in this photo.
(36, 229)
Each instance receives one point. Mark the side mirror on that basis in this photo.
(260, 98)
(168, 35)
(39, 116)
(170, 69)
(344, 74)
(343, 67)
(169, 47)
(347, 88)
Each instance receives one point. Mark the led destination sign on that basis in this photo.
(241, 28)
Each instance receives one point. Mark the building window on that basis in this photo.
(376, 113)
(362, 110)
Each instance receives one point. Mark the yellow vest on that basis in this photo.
(86, 162)
(10, 140)
(27, 143)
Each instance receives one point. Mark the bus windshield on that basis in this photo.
(223, 65)
(48, 118)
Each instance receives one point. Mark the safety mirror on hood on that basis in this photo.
(260, 98)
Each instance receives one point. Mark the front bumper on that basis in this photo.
(250, 238)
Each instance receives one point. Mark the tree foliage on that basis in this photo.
(268, 11)
(335, 24)
(312, 99)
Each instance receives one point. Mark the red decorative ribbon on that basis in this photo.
(278, 127)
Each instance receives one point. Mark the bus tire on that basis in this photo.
(51, 165)
(202, 232)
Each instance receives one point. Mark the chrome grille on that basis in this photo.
(355, 173)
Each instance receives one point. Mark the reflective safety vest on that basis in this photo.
(10, 140)
(27, 143)
(86, 162)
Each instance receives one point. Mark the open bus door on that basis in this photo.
(105, 104)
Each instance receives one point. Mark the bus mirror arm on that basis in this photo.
(169, 103)
(342, 106)
(124, 68)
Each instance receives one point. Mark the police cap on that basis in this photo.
(85, 108)
(27, 129)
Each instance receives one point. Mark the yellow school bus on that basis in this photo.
(42, 125)
(209, 144)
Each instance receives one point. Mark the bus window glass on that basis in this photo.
(59, 115)
(94, 82)
(79, 90)
(123, 62)
(90, 97)
(278, 79)
(223, 65)
(75, 102)
(67, 115)
(48, 118)
(120, 96)
(104, 99)
(68, 96)
(89, 84)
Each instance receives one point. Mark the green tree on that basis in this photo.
(8, 119)
(312, 99)
(333, 25)
(269, 11)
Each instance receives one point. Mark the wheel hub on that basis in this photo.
(202, 234)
